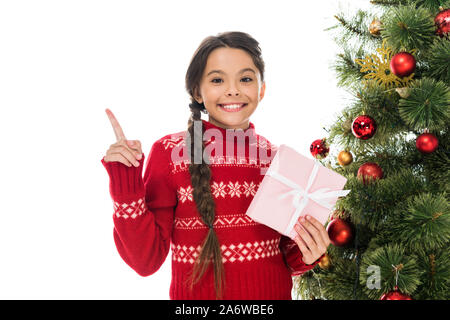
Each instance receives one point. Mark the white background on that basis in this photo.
(63, 62)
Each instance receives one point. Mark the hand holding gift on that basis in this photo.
(293, 186)
(312, 239)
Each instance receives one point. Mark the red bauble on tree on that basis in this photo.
(370, 170)
(395, 295)
(341, 232)
(403, 64)
(427, 142)
(319, 148)
(364, 127)
(442, 22)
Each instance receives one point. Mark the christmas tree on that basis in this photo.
(390, 235)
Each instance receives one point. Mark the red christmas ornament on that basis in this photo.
(319, 148)
(341, 232)
(403, 64)
(395, 295)
(370, 169)
(442, 22)
(427, 143)
(364, 127)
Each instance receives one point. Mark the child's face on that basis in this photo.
(230, 85)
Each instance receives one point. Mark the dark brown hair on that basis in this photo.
(201, 173)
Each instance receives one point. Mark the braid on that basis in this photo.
(200, 180)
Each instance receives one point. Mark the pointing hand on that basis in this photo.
(125, 151)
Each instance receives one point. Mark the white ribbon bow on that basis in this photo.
(319, 196)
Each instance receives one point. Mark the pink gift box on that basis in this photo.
(292, 187)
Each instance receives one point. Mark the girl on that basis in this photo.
(197, 208)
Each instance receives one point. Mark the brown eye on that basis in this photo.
(215, 79)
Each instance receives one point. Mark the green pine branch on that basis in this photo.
(339, 281)
(372, 203)
(423, 222)
(347, 70)
(431, 5)
(388, 3)
(427, 106)
(407, 28)
(387, 258)
(354, 28)
(308, 286)
(438, 60)
(436, 279)
(437, 164)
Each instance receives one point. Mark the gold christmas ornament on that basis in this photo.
(344, 158)
(375, 27)
(378, 68)
(325, 262)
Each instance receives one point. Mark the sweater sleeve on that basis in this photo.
(143, 210)
(293, 257)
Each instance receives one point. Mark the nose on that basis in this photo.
(232, 91)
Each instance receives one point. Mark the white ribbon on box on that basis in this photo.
(318, 196)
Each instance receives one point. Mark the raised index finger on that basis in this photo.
(115, 124)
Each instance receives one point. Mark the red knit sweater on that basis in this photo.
(156, 212)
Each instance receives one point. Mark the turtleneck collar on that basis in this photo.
(250, 131)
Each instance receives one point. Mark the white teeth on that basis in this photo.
(232, 106)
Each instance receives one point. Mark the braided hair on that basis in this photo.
(200, 172)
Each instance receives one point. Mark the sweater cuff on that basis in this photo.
(307, 267)
(315, 262)
(126, 183)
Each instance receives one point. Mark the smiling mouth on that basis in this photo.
(232, 107)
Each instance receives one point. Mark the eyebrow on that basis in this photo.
(241, 71)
